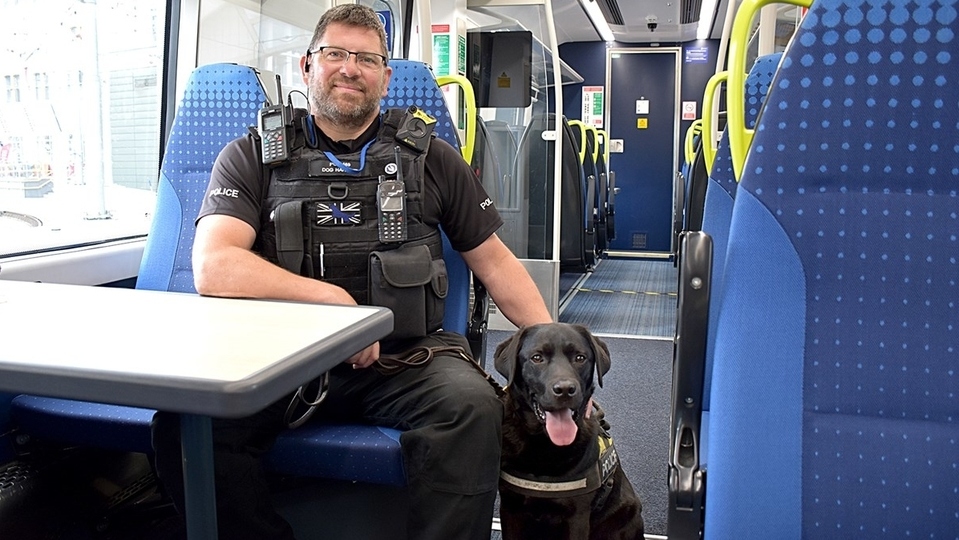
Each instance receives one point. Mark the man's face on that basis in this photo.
(348, 93)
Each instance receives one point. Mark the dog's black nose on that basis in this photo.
(565, 388)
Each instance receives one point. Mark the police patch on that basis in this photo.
(338, 213)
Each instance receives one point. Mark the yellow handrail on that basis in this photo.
(582, 138)
(605, 136)
(470, 98)
(709, 100)
(689, 147)
(739, 137)
(595, 143)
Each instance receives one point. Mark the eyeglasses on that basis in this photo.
(337, 56)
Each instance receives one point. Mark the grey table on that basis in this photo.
(198, 356)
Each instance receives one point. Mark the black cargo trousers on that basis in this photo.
(451, 421)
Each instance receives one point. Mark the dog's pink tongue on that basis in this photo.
(561, 427)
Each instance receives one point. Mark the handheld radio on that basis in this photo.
(391, 203)
(273, 121)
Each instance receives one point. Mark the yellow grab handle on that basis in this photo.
(582, 138)
(689, 148)
(471, 113)
(709, 103)
(595, 142)
(739, 137)
(605, 136)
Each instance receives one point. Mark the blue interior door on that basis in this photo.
(644, 114)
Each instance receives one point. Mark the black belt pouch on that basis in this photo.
(413, 285)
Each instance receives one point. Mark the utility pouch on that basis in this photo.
(410, 283)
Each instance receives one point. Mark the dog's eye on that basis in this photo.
(536, 358)
(580, 358)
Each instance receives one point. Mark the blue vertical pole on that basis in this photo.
(196, 439)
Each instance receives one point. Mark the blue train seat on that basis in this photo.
(702, 265)
(580, 138)
(834, 409)
(213, 93)
(720, 194)
(580, 133)
(413, 83)
(223, 99)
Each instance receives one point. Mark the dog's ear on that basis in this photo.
(600, 352)
(506, 357)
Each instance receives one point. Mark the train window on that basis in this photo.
(270, 36)
(391, 12)
(79, 121)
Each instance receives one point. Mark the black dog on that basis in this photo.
(561, 477)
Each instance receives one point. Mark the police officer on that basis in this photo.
(450, 415)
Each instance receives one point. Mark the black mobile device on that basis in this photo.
(391, 203)
(273, 120)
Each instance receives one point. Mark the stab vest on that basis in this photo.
(321, 221)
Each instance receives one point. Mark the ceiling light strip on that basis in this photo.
(706, 13)
(596, 17)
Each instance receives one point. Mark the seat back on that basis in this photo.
(679, 199)
(220, 101)
(599, 197)
(700, 279)
(721, 192)
(486, 163)
(578, 133)
(413, 83)
(606, 183)
(693, 165)
(697, 179)
(834, 410)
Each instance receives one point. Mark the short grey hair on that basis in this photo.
(351, 15)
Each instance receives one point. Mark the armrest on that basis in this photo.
(686, 477)
(478, 323)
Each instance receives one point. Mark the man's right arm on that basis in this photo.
(224, 265)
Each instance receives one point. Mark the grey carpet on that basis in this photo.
(626, 297)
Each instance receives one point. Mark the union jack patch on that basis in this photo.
(338, 213)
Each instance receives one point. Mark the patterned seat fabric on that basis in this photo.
(219, 103)
(696, 326)
(720, 194)
(835, 395)
(413, 83)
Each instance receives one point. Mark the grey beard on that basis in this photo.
(348, 117)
